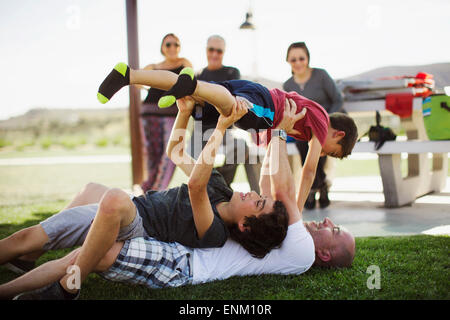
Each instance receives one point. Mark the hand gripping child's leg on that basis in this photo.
(119, 77)
(185, 86)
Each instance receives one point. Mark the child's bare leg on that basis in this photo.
(32, 256)
(33, 238)
(115, 210)
(122, 75)
(159, 79)
(212, 93)
(91, 193)
(176, 86)
(23, 242)
(216, 95)
(52, 271)
(39, 277)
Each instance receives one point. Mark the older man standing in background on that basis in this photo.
(217, 72)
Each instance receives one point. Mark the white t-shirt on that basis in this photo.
(295, 256)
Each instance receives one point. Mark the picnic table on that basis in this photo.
(425, 174)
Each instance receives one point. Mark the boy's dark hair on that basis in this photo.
(264, 233)
(343, 122)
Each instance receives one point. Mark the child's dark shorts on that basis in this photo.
(260, 116)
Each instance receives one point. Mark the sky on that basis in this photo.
(55, 53)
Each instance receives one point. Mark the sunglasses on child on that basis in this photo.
(211, 50)
(169, 44)
(293, 60)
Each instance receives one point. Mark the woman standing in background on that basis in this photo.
(157, 123)
(314, 84)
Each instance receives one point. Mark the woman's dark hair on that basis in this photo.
(264, 233)
(165, 37)
(342, 122)
(301, 45)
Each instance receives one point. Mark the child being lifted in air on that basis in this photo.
(334, 135)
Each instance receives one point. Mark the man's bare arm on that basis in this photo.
(198, 181)
(282, 181)
(199, 178)
(264, 176)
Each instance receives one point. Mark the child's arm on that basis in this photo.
(175, 148)
(198, 180)
(309, 171)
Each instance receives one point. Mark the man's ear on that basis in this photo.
(241, 225)
(324, 254)
(339, 133)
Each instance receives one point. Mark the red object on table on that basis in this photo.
(400, 104)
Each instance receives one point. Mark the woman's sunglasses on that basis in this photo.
(169, 44)
(295, 59)
(211, 50)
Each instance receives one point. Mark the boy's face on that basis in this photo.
(250, 204)
(331, 147)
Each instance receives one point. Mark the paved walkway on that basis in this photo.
(357, 203)
(65, 160)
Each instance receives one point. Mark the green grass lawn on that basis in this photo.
(40, 183)
(62, 152)
(413, 267)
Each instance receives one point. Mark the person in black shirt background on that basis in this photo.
(217, 72)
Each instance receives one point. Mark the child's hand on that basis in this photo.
(238, 111)
(186, 105)
(290, 117)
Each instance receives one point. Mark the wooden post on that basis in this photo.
(135, 99)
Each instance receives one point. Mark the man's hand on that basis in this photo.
(238, 111)
(290, 117)
(186, 105)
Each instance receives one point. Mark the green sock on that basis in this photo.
(119, 77)
(185, 86)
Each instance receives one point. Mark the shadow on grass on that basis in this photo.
(7, 229)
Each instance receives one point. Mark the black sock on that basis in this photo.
(117, 79)
(185, 86)
(67, 294)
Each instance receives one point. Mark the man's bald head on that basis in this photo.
(334, 245)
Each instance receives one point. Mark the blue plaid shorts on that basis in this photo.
(155, 264)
